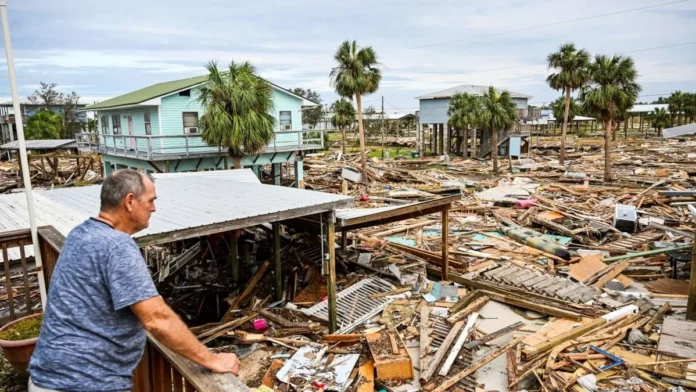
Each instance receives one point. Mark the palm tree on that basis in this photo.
(498, 113)
(612, 88)
(344, 116)
(572, 66)
(238, 106)
(356, 74)
(465, 112)
(690, 106)
(558, 108)
(659, 119)
(676, 102)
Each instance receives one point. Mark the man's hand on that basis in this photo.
(224, 363)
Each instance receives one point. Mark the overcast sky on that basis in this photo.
(101, 48)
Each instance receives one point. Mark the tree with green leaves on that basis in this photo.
(558, 108)
(310, 116)
(571, 67)
(355, 74)
(344, 116)
(44, 124)
(659, 119)
(690, 106)
(46, 95)
(498, 113)
(676, 102)
(612, 88)
(238, 106)
(464, 112)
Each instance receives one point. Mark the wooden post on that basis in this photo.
(276, 261)
(691, 303)
(344, 240)
(331, 289)
(445, 244)
(234, 256)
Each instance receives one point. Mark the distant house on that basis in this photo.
(8, 126)
(156, 129)
(436, 137)
(325, 122)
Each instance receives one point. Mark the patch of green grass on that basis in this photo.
(376, 151)
(25, 329)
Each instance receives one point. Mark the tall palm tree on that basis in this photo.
(659, 119)
(572, 73)
(465, 112)
(612, 88)
(498, 113)
(344, 116)
(356, 74)
(238, 106)
(676, 102)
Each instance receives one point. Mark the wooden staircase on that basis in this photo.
(522, 130)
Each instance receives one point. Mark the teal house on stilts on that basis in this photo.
(155, 129)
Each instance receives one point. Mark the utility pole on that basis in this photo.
(22, 151)
(382, 126)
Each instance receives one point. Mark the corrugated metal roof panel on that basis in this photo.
(470, 89)
(41, 144)
(184, 201)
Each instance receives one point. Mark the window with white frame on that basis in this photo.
(105, 125)
(116, 124)
(148, 125)
(190, 122)
(285, 120)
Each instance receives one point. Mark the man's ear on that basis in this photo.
(128, 202)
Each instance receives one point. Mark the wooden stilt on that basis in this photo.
(331, 289)
(234, 256)
(445, 244)
(276, 262)
(344, 240)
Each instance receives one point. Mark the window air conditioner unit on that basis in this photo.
(192, 130)
(286, 127)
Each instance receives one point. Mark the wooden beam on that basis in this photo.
(276, 262)
(234, 256)
(531, 351)
(252, 284)
(331, 281)
(481, 363)
(445, 243)
(613, 273)
(666, 307)
(458, 344)
(473, 307)
(424, 332)
(494, 335)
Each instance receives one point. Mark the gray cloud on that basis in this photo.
(104, 48)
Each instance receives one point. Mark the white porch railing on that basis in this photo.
(169, 146)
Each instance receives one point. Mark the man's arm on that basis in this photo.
(161, 321)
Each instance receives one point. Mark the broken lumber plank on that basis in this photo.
(367, 372)
(348, 338)
(465, 301)
(494, 335)
(388, 293)
(535, 306)
(611, 274)
(403, 228)
(441, 352)
(666, 307)
(531, 351)
(247, 290)
(424, 339)
(479, 364)
(458, 344)
(221, 330)
(473, 307)
(282, 321)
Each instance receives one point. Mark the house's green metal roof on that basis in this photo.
(161, 89)
(147, 93)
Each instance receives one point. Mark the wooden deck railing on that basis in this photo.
(160, 369)
(20, 278)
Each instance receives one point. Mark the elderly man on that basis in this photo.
(102, 300)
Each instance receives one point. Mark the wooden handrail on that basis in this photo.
(163, 370)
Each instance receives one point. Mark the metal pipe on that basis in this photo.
(22, 150)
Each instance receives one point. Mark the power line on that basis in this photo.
(538, 26)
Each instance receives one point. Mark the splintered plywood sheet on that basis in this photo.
(588, 265)
(553, 328)
(678, 338)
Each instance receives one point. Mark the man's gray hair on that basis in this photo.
(118, 185)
